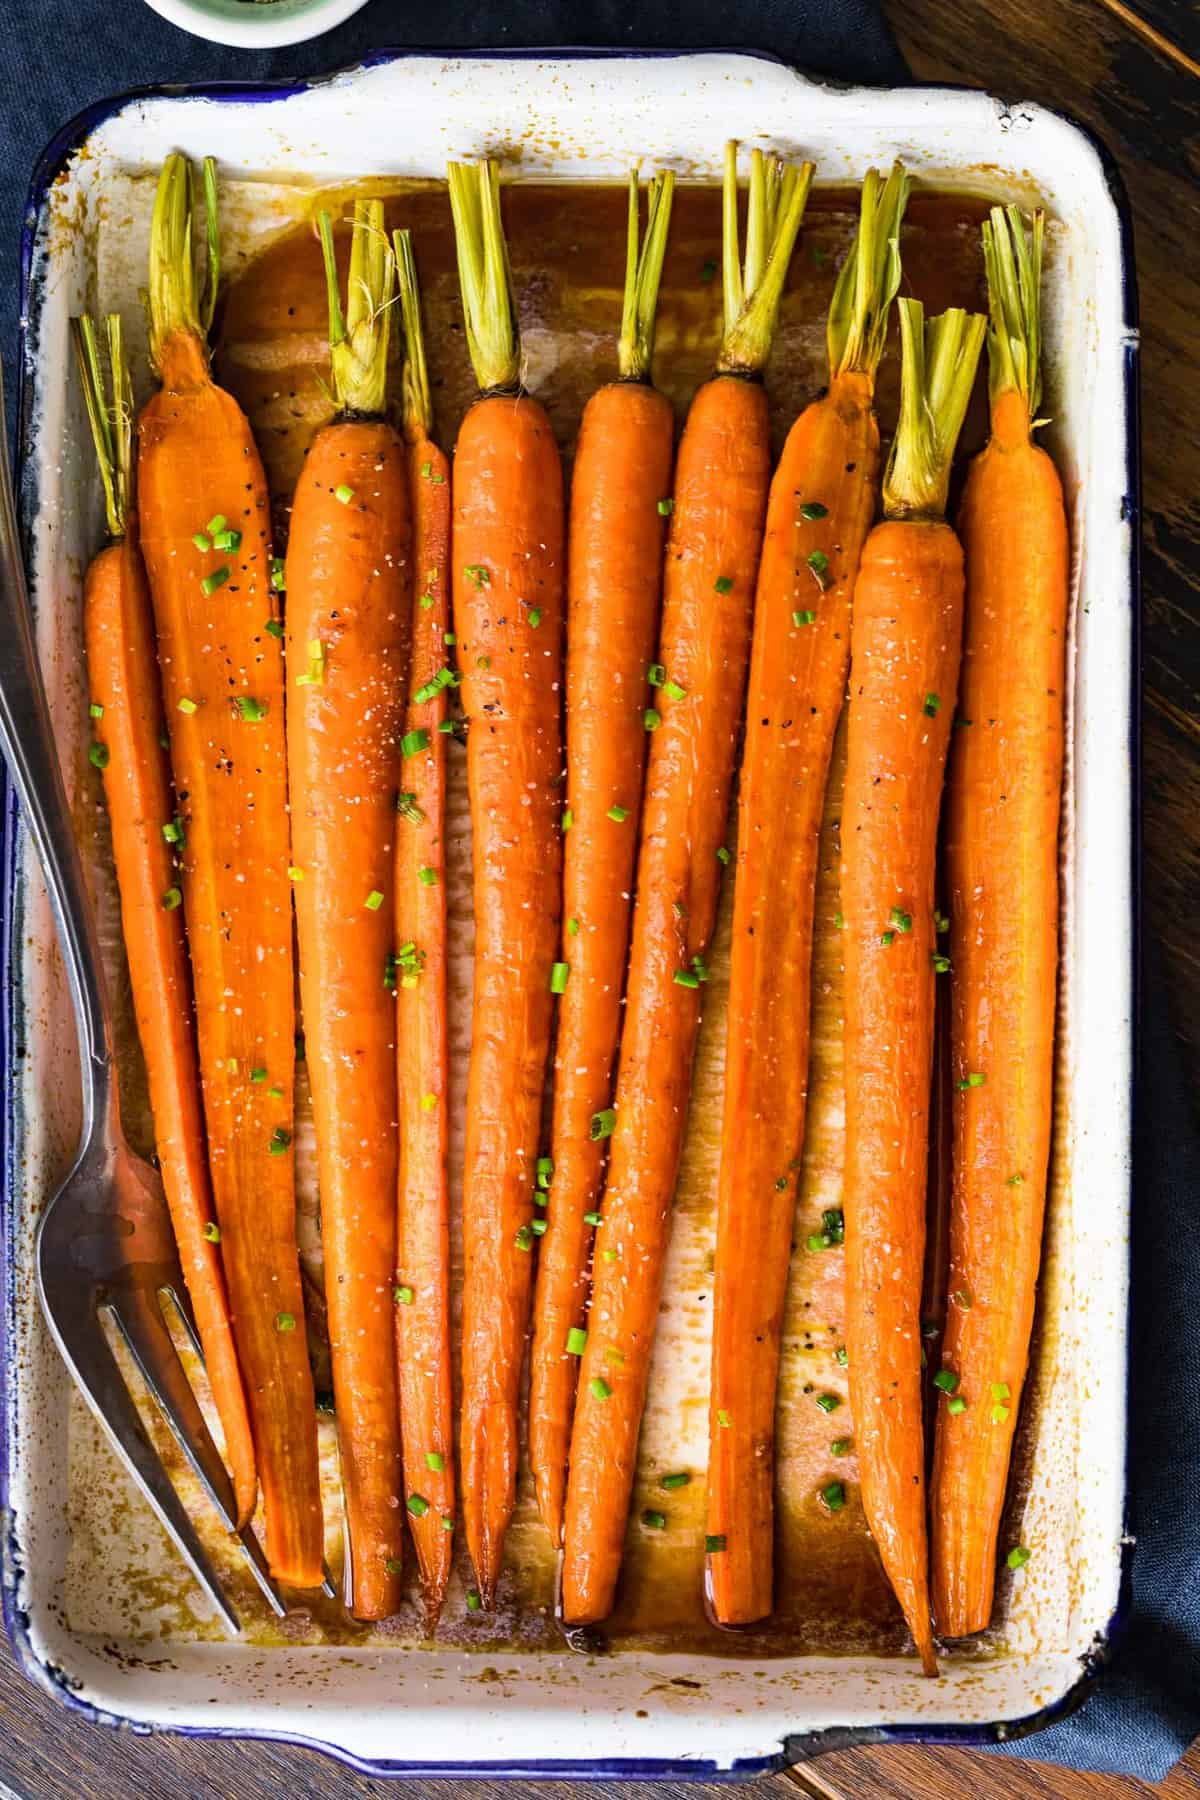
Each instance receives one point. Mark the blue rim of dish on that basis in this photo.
(802, 1746)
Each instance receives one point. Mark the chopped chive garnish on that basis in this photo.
(609, 1256)
(535, 617)
(251, 710)
(1001, 1390)
(545, 1171)
(95, 710)
(841, 1446)
(314, 675)
(402, 1295)
(572, 927)
(295, 874)
(1014, 1181)
(614, 1358)
(941, 964)
(603, 1124)
(447, 1522)
(818, 1240)
(568, 818)
(714, 1543)
(812, 509)
(278, 574)
(448, 637)
(343, 493)
(656, 674)
(285, 1321)
(273, 628)
(932, 704)
(972, 1081)
(98, 756)
(947, 1380)
(618, 814)
(373, 901)
(956, 1404)
(900, 919)
(406, 806)
(723, 584)
(654, 1521)
(217, 579)
(171, 899)
(524, 1238)
(808, 617)
(428, 1102)
(818, 562)
(212, 1232)
(275, 1093)
(841, 1356)
(701, 968)
(834, 1496)
(202, 541)
(1000, 1415)
(425, 602)
(477, 575)
(886, 938)
(413, 742)
(686, 978)
(833, 1219)
(652, 718)
(1018, 1556)
(417, 1505)
(435, 1460)
(559, 976)
(227, 540)
(280, 1139)
(187, 706)
(673, 691)
(722, 854)
(839, 921)
(443, 679)
(576, 1341)
(593, 1218)
(473, 1600)
(599, 1388)
(426, 470)
(257, 1075)
(218, 522)
(427, 877)
(393, 1565)
(829, 1402)
(941, 921)
(666, 507)
(722, 1418)
(679, 1479)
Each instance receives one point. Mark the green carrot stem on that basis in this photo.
(1014, 276)
(416, 400)
(778, 196)
(171, 295)
(484, 275)
(358, 337)
(938, 363)
(870, 277)
(643, 274)
(111, 420)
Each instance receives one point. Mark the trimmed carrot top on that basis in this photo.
(415, 399)
(938, 372)
(870, 277)
(358, 336)
(752, 290)
(1014, 276)
(172, 299)
(485, 276)
(643, 273)
(111, 419)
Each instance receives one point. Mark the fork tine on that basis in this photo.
(88, 1356)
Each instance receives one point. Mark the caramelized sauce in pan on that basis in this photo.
(567, 247)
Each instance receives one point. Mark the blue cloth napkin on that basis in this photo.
(63, 54)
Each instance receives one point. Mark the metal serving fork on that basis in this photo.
(105, 1244)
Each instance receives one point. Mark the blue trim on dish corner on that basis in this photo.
(802, 1746)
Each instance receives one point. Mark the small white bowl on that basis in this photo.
(256, 24)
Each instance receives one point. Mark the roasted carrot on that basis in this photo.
(1003, 797)
(349, 582)
(904, 656)
(507, 584)
(620, 502)
(205, 534)
(127, 745)
(423, 1217)
(715, 535)
(822, 505)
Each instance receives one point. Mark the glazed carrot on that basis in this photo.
(715, 535)
(822, 505)
(619, 508)
(205, 533)
(127, 732)
(507, 584)
(423, 1218)
(1003, 796)
(349, 581)
(904, 657)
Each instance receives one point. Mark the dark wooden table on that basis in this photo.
(1084, 57)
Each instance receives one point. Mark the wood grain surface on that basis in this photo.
(1084, 57)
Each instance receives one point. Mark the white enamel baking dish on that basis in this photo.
(395, 1711)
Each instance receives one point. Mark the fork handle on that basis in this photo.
(28, 746)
